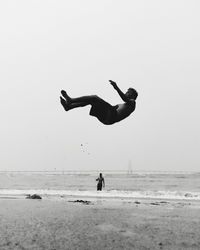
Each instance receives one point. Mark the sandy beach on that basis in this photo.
(102, 224)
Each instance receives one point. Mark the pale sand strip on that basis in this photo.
(60, 225)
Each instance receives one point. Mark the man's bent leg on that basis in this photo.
(90, 99)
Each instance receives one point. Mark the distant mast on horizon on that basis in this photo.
(130, 170)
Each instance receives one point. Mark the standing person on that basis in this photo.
(100, 182)
(102, 110)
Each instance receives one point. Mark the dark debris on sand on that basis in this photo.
(82, 201)
(34, 196)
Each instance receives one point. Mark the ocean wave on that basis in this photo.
(178, 195)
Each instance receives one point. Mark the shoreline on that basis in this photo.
(91, 194)
(144, 200)
(133, 202)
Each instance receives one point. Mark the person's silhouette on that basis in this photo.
(103, 111)
(100, 183)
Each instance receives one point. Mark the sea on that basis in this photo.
(118, 185)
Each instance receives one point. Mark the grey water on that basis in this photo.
(138, 184)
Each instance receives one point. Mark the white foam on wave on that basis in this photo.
(103, 194)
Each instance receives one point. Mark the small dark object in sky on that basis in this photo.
(34, 196)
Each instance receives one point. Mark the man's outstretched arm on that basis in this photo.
(121, 94)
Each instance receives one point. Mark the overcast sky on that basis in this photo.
(46, 46)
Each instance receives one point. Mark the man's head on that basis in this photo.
(132, 93)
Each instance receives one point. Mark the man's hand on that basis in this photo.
(114, 84)
(121, 94)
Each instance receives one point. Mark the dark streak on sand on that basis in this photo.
(82, 201)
